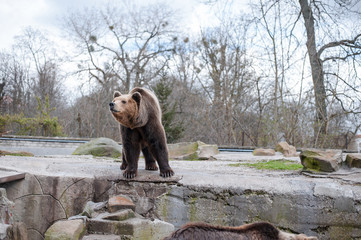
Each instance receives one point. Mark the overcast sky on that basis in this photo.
(15, 15)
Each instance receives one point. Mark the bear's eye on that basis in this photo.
(124, 102)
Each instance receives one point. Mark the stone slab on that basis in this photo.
(105, 237)
(116, 203)
(151, 176)
(10, 176)
(119, 215)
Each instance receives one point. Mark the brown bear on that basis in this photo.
(253, 231)
(141, 129)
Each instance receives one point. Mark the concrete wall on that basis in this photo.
(39, 148)
(323, 211)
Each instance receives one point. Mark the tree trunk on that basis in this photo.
(317, 72)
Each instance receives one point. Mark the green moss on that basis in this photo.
(165, 206)
(19, 154)
(311, 164)
(193, 210)
(271, 165)
(236, 164)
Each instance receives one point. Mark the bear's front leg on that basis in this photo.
(124, 164)
(131, 151)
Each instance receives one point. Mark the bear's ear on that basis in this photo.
(137, 97)
(116, 94)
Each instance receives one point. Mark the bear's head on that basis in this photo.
(125, 108)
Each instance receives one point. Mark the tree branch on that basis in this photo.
(347, 43)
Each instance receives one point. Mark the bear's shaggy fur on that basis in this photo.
(141, 129)
(253, 231)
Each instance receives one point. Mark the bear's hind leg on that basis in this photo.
(150, 163)
(160, 152)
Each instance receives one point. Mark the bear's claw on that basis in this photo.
(129, 174)
(167, 173)
(151, 167)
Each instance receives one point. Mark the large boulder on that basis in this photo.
(320, 160)
(66, 230)
(100, 147)
(353, 160)
(263, 152)
(286, 149)
(192, 150)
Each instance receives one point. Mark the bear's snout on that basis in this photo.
(111, 107)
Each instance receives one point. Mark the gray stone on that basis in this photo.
(319, 160)
(72, 193)
(192, 150)
(106, 237)
(353, 160)
(66, 230)
(7, 212)
(29, 186)
(184, 150)
(286, 149)
(4, 231)
(100, 147)
(120, 215)
(39, 211)
(77, 217)
(206, 151)
(92, 207)
(19, 231)
(263, 152)
(138, 228)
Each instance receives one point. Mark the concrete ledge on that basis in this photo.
(327, 206)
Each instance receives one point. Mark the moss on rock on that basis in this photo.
(100, 147)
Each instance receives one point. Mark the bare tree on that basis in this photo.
(126, 43)
(344, 49)
(40, 55)
(225, 77)
(15, 78)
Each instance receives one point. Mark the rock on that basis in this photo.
(100, 147)
(263, 152)
(120, 202)
(5, 231)
(19, 231)
(206, 151)
(106, 237)
(286, 149)
(192, 150)
(353, 160)
(319, 160)
(120, 215)
(92, 207)
(66, 230)
(7, 208)
(138, 228)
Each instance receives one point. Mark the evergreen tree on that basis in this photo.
(173, 130)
